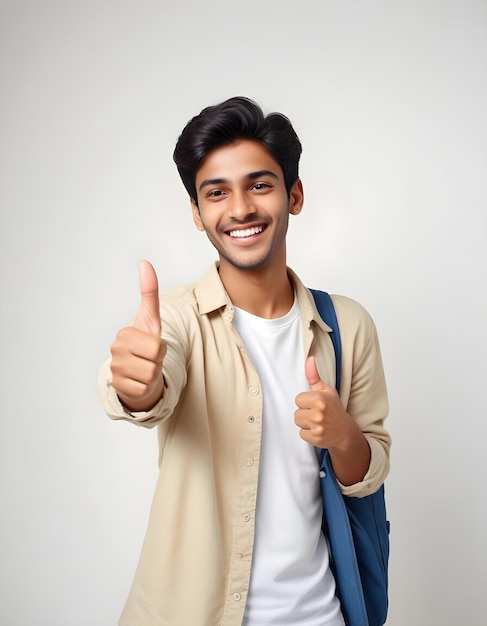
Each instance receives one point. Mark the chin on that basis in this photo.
(245, 264)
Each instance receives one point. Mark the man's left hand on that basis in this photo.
(322, 420)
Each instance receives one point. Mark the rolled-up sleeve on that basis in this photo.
(363, 390)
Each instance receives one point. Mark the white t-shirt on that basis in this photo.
(291, 582)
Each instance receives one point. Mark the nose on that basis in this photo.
(241, 206)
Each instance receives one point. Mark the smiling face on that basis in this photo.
(243, 205)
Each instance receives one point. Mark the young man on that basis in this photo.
(237, 371)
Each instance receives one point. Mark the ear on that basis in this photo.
(196, 215)
(296, 197)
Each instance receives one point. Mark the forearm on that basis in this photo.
(363, 394)
(351, 459)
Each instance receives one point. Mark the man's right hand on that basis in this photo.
(138, 350)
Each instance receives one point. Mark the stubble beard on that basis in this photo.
(250, 264)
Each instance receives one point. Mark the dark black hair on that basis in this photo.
(236, 118)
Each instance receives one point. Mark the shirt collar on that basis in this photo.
(210, 292)
(211, 295)
(309, 312)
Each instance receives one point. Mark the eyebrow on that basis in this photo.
(250, 176)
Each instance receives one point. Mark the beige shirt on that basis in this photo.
(194, 566)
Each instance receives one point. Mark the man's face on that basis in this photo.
(243, 205)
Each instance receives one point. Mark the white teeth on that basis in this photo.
(247, 232)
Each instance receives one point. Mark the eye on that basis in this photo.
(215, 193)
(260, 186)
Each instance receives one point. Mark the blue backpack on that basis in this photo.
(356, 528)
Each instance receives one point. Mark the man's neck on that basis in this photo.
(265, 292)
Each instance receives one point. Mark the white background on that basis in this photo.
(389, 99)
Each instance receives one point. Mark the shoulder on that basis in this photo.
(350, 311)
(179, 300)
(357, 329)
(352, 316)
(185, 292)
(355, 322)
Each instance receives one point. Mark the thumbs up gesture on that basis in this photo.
(324, 423)
(320, 414)
(138, 351)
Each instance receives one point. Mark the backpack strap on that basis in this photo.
(325, 307)
(356, 528)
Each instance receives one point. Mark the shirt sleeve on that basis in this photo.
(364, 391)
(174, 371)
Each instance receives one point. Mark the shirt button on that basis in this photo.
(253, 390)
(251, 419)
(236, 597)
(240, 555)
(246, 517)
(249, 462)
(322, 474)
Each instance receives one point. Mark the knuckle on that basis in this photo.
(319, 431)
(320, 404)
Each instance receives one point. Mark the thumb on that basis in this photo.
(148, 317)
(314, 381)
